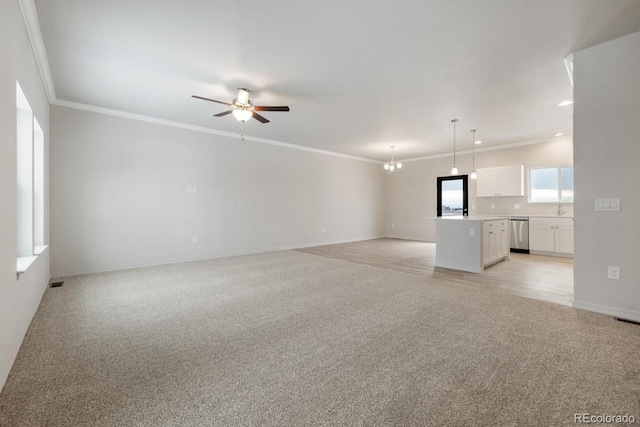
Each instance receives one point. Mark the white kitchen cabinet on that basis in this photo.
(500, 181)
(551, 236)
(542, 234)
(495, 241)
(564, 238)
(487, 182)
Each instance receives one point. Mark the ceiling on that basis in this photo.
(359, 76)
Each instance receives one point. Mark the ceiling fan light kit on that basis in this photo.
(242, 114)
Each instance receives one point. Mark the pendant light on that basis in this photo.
(474, 175)
(454, 169)
(392, 166)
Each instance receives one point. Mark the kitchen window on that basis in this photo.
(551, 185)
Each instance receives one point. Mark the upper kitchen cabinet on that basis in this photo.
(500, 181)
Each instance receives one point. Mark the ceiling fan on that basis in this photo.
(242, 108)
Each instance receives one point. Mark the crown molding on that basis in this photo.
(32, 24)
(30, 16)
(201, 129)
(566, 137)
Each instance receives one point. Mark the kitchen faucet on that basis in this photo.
(560, 211)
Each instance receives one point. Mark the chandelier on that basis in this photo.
(392, 166)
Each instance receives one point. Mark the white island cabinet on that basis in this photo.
(471, 243)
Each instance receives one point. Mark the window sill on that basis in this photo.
(24, 262)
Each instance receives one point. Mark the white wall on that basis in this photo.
(411, 194)
(18, 299)
(119, 194)
(607, 164)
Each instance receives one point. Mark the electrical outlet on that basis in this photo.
(323, 230)
(472, 232)
(189, 189)
(516, 206)
(493, 206)
(194, 239)
(393, 226)
(195, 189)
(614, 272)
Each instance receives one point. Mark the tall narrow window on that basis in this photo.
(38, 188)
(24, 140)
(30, 158)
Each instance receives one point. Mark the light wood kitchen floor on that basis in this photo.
(532, 276)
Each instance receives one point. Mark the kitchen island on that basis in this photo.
(471, 243)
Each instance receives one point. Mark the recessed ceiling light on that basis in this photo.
(478, 142)
(559, 134)
(565, 103)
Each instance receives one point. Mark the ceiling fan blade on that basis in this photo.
(267, 108)
(224, 113)
(208, 99)
(259, 118)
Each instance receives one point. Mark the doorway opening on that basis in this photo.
(453, 195)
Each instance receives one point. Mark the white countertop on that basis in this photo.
(545, 216)
(472, 218)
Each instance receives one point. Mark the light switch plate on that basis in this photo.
(608, 205)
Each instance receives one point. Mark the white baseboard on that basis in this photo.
(612, 311)
(7, 364)
(70, 273)
(408, 238)
(556, 254)
(456, 266)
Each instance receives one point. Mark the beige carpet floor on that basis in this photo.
(295, 339)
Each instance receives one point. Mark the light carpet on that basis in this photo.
(294, 339)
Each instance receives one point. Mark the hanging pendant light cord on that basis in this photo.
(473, 146)
(454, 141)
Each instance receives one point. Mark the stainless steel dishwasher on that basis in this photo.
(519, 231)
